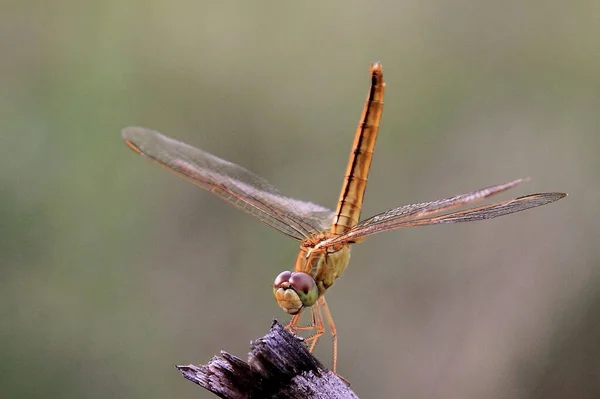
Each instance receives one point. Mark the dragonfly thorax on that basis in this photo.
(325, 263)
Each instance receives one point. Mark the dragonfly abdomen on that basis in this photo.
(355, 182)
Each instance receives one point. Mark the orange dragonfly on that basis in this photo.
(325, 235)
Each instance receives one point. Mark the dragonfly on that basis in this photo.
(325, 235)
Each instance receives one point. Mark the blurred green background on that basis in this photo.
(112, 270)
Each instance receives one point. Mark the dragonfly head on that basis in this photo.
(295, 291)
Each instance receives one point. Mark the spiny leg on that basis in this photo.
(293, 324)
(333, 333)
(294, 327)
(317, 324)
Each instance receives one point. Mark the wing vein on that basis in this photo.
(232, 183)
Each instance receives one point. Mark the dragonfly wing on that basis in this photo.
(423, 214)
(233, 183)
(491, 211)
(415, 211)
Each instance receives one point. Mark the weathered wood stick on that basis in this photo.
(279, 366)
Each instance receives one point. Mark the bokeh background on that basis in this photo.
(113, 270)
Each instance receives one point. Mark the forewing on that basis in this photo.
(415, 211)
(423, 213)
(492, 210)
(233, 183)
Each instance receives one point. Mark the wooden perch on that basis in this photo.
(279, 366)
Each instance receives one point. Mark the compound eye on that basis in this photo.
(306, 288)
(302, 282)
(283, 277)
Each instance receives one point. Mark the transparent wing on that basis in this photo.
(234, 184)
(492, 210)
(423, 213)
(414, 211)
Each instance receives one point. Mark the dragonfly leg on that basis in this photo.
(294, 327)
(293, 324)
(318, 325)
(333, 334)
